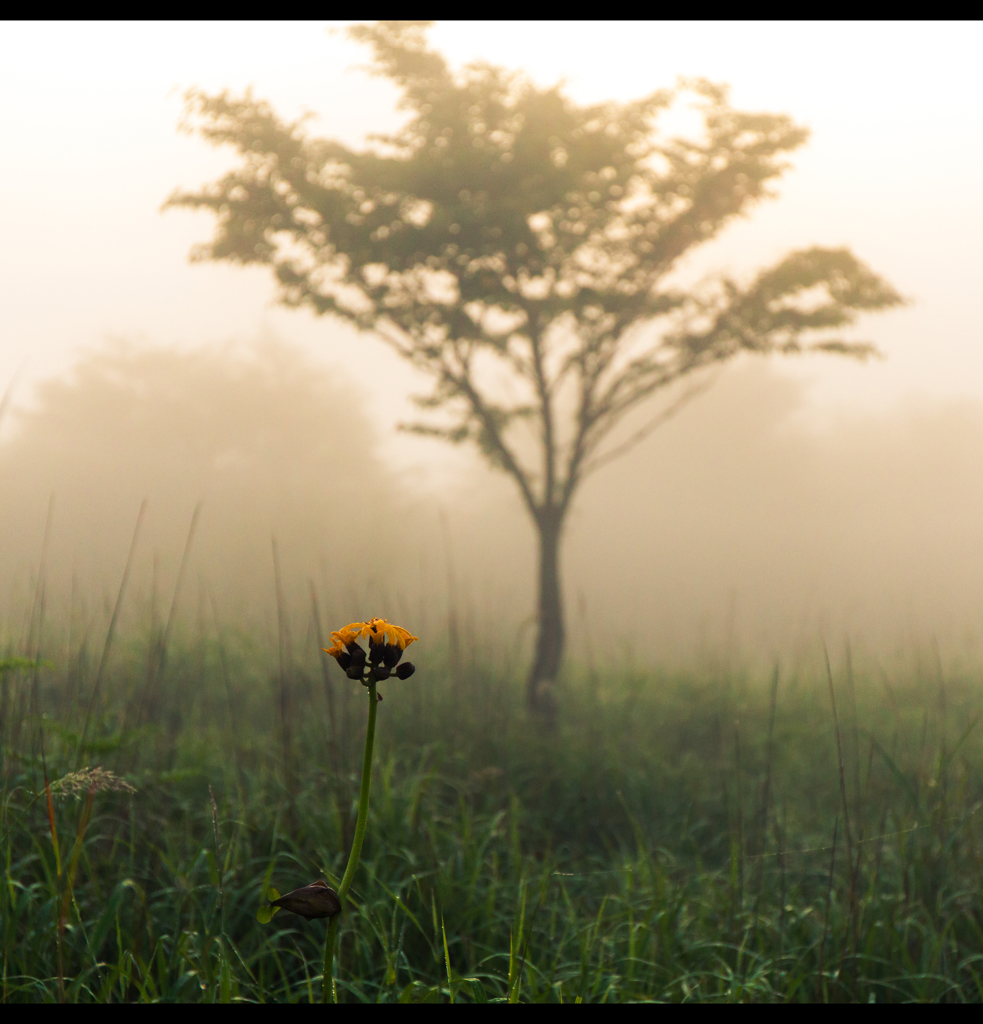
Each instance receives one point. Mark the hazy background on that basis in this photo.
(792, 499)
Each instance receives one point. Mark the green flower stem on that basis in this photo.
(360, 823)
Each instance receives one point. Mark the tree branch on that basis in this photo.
(661, 417)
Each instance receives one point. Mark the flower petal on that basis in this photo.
(381, 632)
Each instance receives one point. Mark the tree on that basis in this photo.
(237, 428)
(516, 248)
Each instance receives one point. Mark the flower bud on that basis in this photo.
(405, 670)
(391, 654)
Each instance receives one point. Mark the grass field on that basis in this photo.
(704, 836)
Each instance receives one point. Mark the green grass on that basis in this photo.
(654, 845)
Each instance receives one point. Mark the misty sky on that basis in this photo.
(90, 152)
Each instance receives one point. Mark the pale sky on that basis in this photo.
(90, 150)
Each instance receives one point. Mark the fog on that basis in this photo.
(737, 530)
(788, 502)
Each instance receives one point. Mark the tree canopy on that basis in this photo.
(519, 248)
(239, 428)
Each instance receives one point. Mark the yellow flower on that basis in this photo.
(344, 637)
(381, 632)
(386, 645)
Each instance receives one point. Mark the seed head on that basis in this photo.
(89, 780)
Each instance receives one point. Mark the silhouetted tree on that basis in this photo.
(516, 247)
(253, 432)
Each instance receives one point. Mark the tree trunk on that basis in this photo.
(550, 638)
